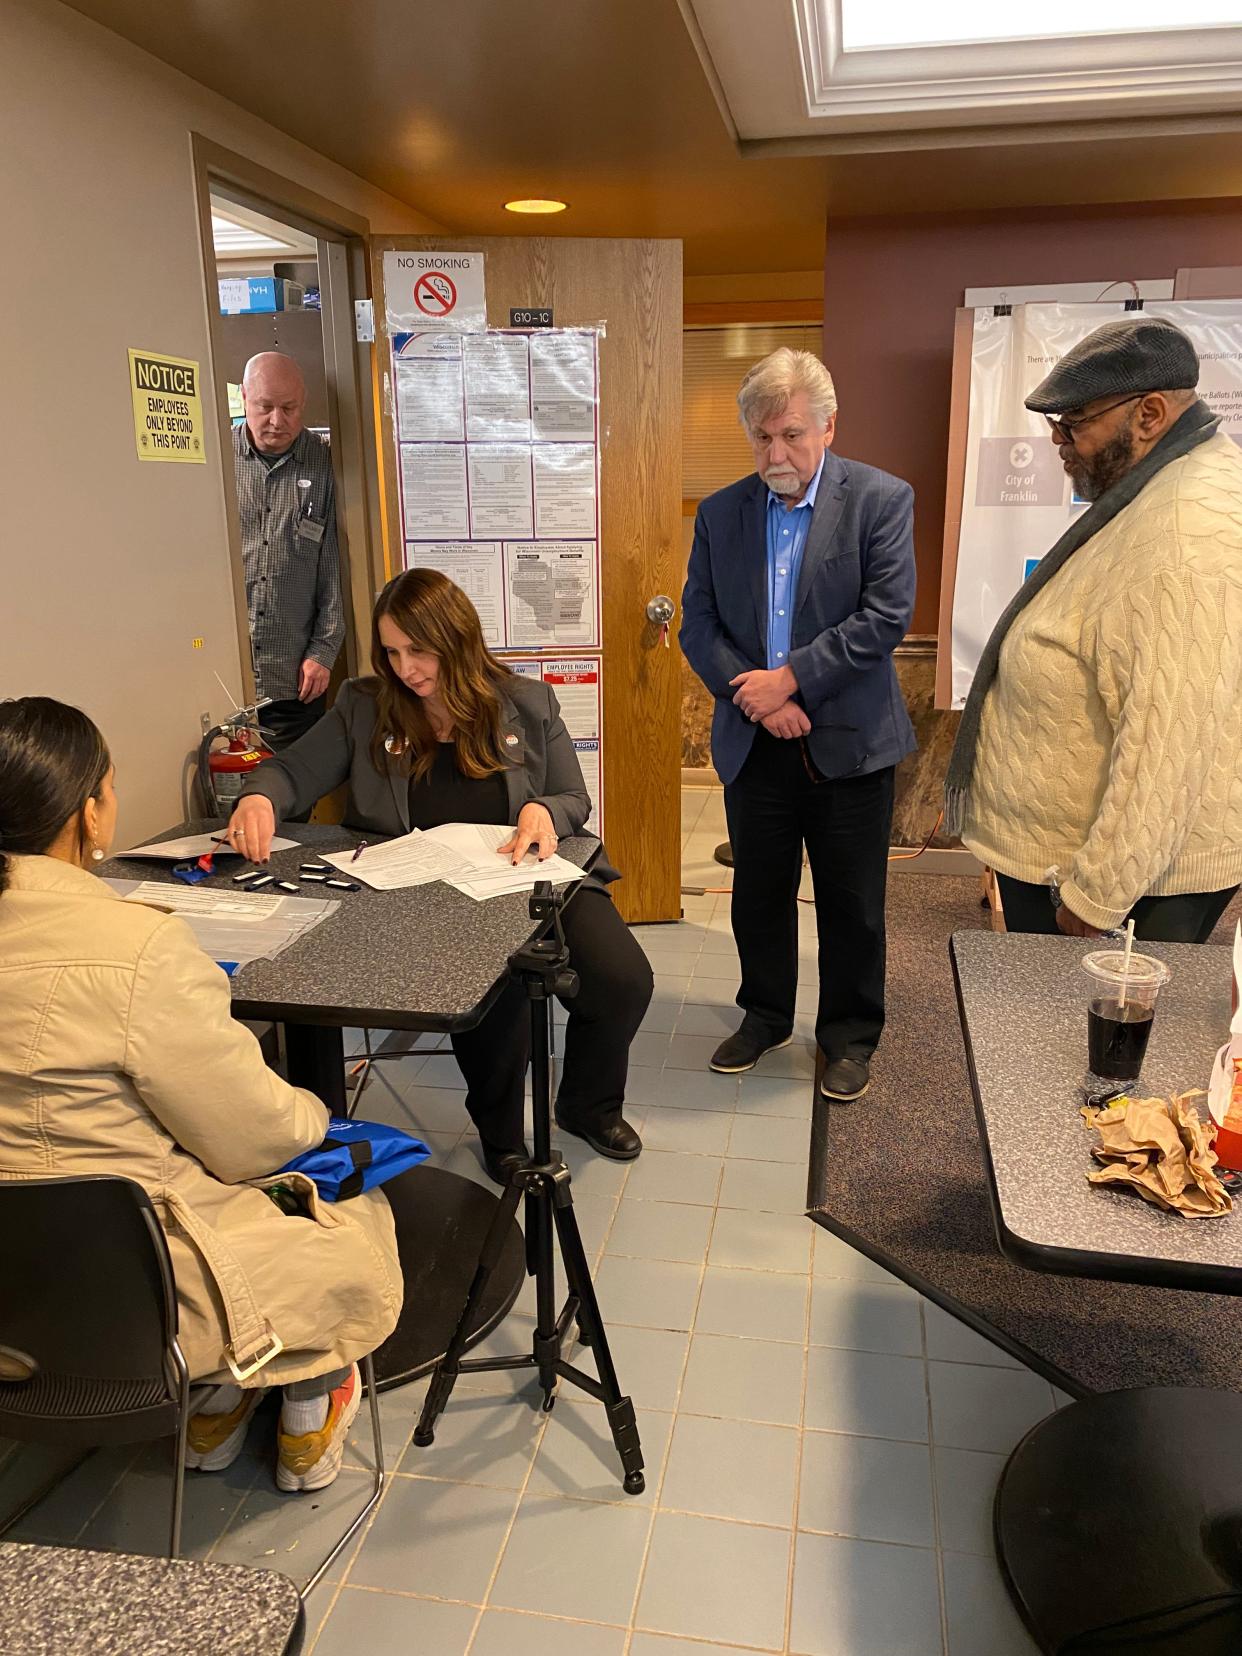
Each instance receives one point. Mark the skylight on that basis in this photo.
(869, 24)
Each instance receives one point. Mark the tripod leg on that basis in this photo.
(547, 1345)
(620, 1409)
(447, 1369)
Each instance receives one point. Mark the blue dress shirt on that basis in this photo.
(787, 532)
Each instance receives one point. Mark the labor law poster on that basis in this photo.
(498, 442)
(1017, 500)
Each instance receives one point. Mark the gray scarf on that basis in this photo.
(1197, 425)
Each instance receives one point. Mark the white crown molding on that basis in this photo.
(780, 72)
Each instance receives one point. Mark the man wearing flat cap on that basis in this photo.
(1102, 737)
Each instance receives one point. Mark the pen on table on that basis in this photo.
(362, 845)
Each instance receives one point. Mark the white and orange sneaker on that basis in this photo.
(311, 1460)
(214, 1441)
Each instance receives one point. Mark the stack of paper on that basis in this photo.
(465, 855)
(232, 926)
(193, 846)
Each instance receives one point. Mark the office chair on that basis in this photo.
(88, 1332)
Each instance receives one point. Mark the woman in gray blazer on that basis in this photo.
(445, 732)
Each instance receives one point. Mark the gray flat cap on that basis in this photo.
(1135, 353)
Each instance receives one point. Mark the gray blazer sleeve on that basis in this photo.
(564, 792)
(315, 764)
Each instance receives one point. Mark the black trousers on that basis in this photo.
(778, 803)
(1188, 919)
(284, 721)
(615, 985)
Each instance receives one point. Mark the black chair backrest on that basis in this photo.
(86, 1285)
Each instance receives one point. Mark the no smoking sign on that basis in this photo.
(435, 293)
(427, 290)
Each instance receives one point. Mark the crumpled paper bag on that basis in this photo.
(1159, 1148)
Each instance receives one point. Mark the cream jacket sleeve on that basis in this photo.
(1168, 662)
(201, 1074)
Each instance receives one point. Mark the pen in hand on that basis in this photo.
(362, 845)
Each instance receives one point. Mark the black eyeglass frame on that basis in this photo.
(1066, 428)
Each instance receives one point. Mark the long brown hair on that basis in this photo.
(438, 619)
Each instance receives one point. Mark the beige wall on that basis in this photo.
(110, 567)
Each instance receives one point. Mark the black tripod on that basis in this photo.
(543, 967)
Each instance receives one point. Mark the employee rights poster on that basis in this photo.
(499, 476)
(1017, 500)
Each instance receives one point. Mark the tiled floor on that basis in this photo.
(821, 1444)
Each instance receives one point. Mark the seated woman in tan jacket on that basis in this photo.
(118, 1054)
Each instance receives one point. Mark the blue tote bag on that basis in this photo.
(357, 1156)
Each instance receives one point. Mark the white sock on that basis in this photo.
(220, 1400)
(298, 1418)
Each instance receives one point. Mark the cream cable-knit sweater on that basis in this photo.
(1111, 740)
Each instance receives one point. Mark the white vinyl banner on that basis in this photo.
(1017, 500)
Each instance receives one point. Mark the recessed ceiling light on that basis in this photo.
(535, 206)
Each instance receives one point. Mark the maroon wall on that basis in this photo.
(890, 289)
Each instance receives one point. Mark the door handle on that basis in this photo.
(660, 610)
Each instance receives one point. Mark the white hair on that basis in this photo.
(771, 383)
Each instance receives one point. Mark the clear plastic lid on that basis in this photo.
(1145, 971)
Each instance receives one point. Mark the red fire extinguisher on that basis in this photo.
(222, 771)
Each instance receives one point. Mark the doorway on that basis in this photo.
(283, 269)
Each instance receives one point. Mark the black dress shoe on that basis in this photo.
(743, 1050)
(500, 1163)
(844, 1079)
(615, 1139)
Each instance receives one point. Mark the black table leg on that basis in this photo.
(315, 1054)
(1119, 1524)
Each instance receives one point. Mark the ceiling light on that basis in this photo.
(535, 206)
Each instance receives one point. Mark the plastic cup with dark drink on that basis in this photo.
(1120, 1009)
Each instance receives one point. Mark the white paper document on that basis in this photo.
(433, 491)
(564, 489)
(193, 846)
(552, 593)
(429, 395)
(493, 875)
(475, 567)
(200, 899)
(500, 489)
(463, 854)
(414, 859)
(497, 387)
(230, 926)
(562, 386)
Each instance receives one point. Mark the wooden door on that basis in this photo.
(634, 289)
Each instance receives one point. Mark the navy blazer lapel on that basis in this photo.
(755, 555)
(829, 504)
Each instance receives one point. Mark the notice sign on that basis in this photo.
(434, 291)
(168, 409)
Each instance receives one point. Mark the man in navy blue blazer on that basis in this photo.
(800, 587)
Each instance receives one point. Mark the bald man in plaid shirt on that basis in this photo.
(287, 505)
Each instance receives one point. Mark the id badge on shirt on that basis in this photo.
(308, 529)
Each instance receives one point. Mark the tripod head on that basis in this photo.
(543, 963)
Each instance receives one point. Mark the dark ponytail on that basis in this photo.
(52, 760)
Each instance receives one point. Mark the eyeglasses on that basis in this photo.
(1064, 430)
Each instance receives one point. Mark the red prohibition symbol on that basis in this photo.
(435, 294)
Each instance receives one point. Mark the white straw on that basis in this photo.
(1125, 964)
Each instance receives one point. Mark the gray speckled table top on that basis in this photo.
(64, 1601)
(424, 958)
(1024, 1014)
